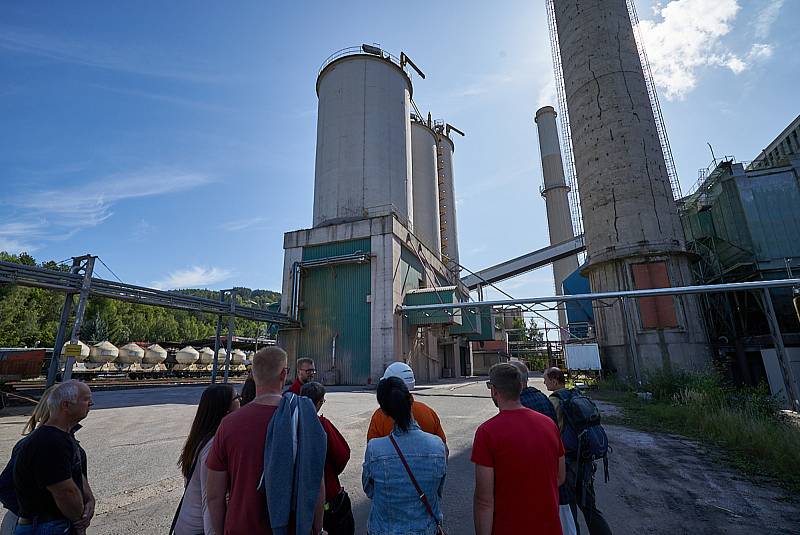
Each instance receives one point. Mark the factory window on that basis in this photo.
(655, 312)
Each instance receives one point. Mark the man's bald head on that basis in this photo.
(268, 366)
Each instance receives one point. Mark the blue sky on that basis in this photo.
(176, 140)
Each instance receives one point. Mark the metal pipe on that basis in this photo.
(294, 313)
(654, 292)
(354, 258)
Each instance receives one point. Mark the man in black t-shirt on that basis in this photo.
(50, 472)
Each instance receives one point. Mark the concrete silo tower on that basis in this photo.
(633, 236)
(363, 165)
(554, 190)
(425, 184)
(375, 239)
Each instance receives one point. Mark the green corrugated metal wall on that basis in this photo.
(335, 304)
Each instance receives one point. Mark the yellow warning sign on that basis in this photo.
(72, 350)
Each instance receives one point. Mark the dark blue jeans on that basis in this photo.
(53, 527)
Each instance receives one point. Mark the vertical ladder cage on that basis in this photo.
(563, 119)
(653, 94)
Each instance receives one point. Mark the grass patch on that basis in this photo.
(743, 424)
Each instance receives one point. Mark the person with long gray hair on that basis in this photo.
(50, 472)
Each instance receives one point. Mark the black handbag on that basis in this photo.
(338, 518)
(424, 499)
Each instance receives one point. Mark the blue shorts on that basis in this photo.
(53, 527)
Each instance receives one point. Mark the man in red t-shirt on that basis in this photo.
(519, 464)
(236, 460)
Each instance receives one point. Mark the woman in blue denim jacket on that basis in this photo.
(396, 506)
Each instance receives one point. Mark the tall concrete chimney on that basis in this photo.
(633, 235)
(554, 190)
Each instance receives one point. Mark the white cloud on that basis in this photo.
(547, 94)
(12, 246)
(90, 204)
(766, 18)
(688, 37)
(143, 61)
(193, 277)
(62, 212)
(759, 51)
(241, 224)
(18, 237)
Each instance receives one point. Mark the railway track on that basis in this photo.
(29, 391)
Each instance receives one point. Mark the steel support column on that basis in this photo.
(631, 332)
(88, 268)
(215, 365)
(780, 352)
(55, 361)
(232, 297)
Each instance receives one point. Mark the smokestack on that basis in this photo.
(633, 235)
(554, 190)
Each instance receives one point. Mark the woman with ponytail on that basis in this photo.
(403, 473)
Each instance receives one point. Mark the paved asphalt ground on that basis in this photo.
(659, 483)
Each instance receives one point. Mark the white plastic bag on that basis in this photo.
(567, 522)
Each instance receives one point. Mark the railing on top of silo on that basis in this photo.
(369, 50)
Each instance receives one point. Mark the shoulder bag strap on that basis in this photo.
(180, 503)
(421, 494)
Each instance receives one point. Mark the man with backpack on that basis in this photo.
(585, 442)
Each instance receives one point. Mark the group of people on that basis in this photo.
(265, 461)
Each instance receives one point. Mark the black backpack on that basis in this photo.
(583, 435)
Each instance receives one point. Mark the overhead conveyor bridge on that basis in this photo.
(528, 262)
(61, 281)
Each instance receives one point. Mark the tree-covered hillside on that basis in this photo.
(29, 316)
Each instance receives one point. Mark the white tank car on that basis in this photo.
(130, 354)
(237, 356)
(155, 354)
(103, 352)
(206, 356)
(84, 351)
(222, 355)
(187, 355)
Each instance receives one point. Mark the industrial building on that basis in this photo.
(743, 223)
(632, 232)
(384, 232)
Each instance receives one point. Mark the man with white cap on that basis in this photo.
(381, 425)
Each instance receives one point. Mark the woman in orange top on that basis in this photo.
(381, 425)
